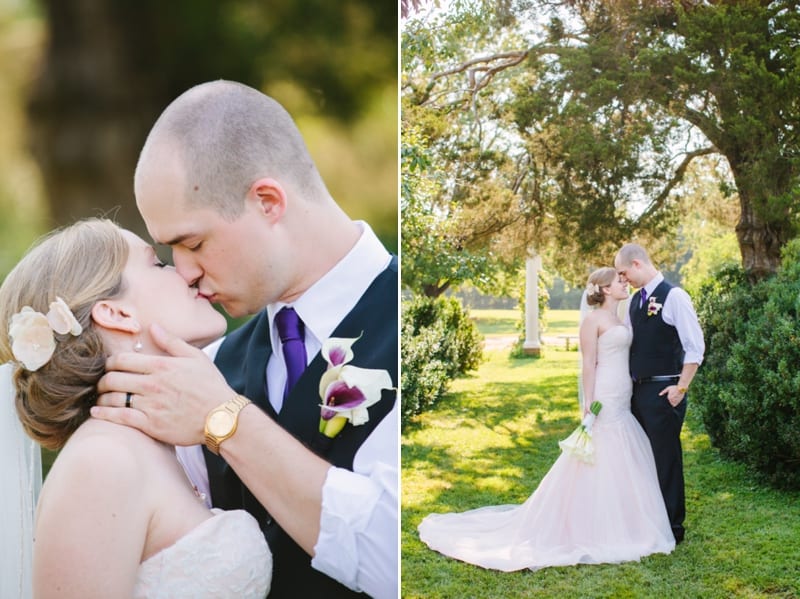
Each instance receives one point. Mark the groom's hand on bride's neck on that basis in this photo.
(172, 393)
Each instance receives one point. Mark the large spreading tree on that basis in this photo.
(571, 126)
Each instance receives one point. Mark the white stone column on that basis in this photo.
(532, 345)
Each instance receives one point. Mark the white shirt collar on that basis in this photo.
(654, 282)
(325, 304)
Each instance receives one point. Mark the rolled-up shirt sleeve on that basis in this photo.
(679, 312)
(358, 543)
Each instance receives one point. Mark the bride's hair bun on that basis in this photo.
(82, 264)
(602, 277)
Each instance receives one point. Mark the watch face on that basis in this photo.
(220, 423)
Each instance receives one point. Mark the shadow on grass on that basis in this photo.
(492, 440)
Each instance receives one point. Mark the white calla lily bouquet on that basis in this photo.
(579, 444)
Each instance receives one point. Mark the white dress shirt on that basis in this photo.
(678, 311)
(358, 541)
(359, 535)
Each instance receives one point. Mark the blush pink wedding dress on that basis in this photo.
(607, 512)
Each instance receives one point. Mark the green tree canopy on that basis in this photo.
(571, 126)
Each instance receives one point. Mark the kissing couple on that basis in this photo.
(101, 344)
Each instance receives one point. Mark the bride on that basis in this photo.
(116, 516)
(606, 512)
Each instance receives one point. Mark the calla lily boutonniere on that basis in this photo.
(653, 307)
(347, 391)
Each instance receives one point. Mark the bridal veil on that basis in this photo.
(21, 472)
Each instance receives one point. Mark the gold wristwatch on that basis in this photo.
(222, 421)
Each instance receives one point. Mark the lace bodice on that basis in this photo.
(225, 556)
(613, 385)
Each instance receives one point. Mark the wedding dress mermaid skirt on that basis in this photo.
(607, 512)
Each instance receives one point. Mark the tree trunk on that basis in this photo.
(434, 290)
(90, 111)
(110, 68)
(759, 242)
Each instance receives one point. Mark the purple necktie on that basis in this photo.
(290, 330)
(644, 298)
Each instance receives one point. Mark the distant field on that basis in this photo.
(504, 322)
(496, 322)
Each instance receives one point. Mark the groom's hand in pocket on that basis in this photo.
(674, 396)
(170, 395)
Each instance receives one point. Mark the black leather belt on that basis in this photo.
(671, 378)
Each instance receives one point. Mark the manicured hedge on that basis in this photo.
(439, 343)
(748, 389)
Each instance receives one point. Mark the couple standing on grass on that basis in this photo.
(629, 502)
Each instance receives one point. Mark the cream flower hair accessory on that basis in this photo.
(592, 288)
(31, 332)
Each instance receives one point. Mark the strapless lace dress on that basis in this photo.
(607, 512)
(225, 556)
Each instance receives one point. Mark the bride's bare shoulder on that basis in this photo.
(97, 491)
(100, 451)
(97, 435)
(592, 320)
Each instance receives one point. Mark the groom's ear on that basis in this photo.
(115, 316)
(270, 198)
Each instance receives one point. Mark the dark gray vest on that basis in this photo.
(242, 358)
(656, 349)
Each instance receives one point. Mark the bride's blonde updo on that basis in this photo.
(81, 264)
(602, 277)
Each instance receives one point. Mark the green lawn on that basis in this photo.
(496, 322)
(495, 435)
(506, 322)
(562, 322)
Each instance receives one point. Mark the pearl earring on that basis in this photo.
(138, 346)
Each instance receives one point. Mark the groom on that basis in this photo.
(666, 351)
(225, 179)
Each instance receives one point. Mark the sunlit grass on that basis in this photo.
(496, 321)
(502, 323)
(492, 439)
(562, 322)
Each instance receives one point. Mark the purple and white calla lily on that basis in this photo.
(347, 391)
(338, 350)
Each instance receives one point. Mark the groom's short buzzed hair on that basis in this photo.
(632, 251)
(228, 135)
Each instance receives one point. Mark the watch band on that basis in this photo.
(233, 407)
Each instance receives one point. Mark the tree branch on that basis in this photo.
(677, 177)
(702, 122)
(480, 71)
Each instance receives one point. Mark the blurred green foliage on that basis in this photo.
(110, 68)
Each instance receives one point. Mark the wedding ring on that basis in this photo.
(128, 397)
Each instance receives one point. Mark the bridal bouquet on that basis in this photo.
(579, 443)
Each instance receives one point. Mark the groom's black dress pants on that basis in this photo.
(663, 423)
